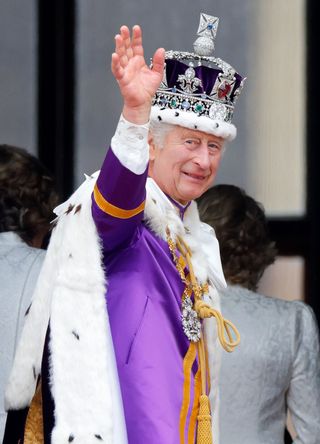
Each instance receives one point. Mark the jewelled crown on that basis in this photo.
(198, 90)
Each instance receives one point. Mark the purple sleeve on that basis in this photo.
(118, 203)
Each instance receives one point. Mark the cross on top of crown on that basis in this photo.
(208, 26)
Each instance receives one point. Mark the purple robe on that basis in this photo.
(144, 305)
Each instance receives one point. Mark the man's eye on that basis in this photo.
(213, 147)
(191, 142)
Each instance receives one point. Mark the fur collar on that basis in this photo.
(161, 213)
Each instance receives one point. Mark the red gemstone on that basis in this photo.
(224, 90)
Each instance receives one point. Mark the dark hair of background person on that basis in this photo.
(27, 195)
(241, 228)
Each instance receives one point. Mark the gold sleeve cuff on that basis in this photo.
(112, 210)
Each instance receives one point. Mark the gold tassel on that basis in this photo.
(204, 433)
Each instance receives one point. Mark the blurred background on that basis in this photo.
(58, 99)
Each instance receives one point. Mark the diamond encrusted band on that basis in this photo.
(215, 110)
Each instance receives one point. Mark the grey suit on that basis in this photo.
(19, 269)
(277, 365)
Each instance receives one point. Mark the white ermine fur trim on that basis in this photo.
(83, 373)
(71, 291)
(191, 120)
(27, 362)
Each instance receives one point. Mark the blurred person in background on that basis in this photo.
(276, 367)
(27, 198)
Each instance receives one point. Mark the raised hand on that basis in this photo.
(137, 82)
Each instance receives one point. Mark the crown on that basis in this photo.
(199, 90)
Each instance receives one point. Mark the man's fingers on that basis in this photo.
(127, 41)
(121, 49)
(116, 67)
(158, 60)
(124, 32)
(137, 41)
(126, 46)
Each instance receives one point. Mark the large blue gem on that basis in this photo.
(163, 101)
(210, 26)
(186, 104)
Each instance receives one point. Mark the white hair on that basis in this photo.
(159, 131)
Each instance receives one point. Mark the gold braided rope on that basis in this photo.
(203, 310)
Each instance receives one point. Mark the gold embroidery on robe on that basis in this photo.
(33, 433)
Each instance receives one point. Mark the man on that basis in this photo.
(27, 199)
(161, 268)
(277, 365)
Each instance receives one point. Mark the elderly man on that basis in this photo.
(137, 369)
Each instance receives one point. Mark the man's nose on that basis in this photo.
(202, 156)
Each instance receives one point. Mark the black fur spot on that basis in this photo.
(217, 125)
(70, 208)
(78, 208)
(34, 372)
(98, 437)
(75, 334)
(70, 256)
(176, 113)
(196, 127)
(28, 309)
(71, 438)
(159, 118)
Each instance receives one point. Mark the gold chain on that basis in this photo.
(191, 285)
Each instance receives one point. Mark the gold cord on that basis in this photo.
(204, 310)
(224, 327)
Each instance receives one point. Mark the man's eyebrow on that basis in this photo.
(189, 136)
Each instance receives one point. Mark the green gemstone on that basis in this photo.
(198, 108)
(174, 103)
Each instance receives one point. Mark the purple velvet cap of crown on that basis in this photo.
(206, 74)
(197, 97)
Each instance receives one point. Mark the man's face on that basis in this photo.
(187, 164)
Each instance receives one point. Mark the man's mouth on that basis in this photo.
(194, 176)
